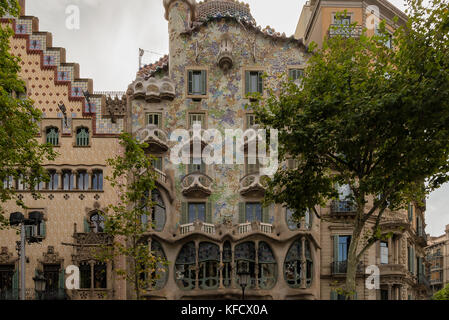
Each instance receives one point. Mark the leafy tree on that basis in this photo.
(21, 153)
(369, 117)
(443, 294)
(133, 177)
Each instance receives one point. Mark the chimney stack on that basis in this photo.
(22, 7)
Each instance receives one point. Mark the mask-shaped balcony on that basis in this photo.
(196, 185)
(253, 185)
(156, 139)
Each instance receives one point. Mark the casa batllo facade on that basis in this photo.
(209, 221)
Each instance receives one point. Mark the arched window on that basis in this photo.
(293, 224)
(97, 222)
(245, 259)
(68, 180)
(82, 137)
(208, 259)
(83, 180)
(97, 180)
(52, 136)
(227, 264)
(293, 264)
(185, 267)
(53, 184)
(160, 276)
(267, 266)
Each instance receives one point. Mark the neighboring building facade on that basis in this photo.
(77, 189)
(438, 261)
(209, 221)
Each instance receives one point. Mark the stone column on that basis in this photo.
(197, 266)
(221, 285)
(89, 177)
(233, 267)
(390, 296)
(92, 276)
(256, 267)
(303, 263)
(60, 174)
(390, 251)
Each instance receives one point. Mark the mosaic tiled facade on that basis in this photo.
(209, 221)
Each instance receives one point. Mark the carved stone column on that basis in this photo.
(221, 285)
(60, 174)
(197, 267)
(390, 250)
(233, 266)
(303, 263)
(89, 177)
(390, 296)
(256, 265)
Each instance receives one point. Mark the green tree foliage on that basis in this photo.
(443, 294)
(133, 178)
(21, 153)
(367, 116)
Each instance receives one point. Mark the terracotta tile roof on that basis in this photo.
(150, 69)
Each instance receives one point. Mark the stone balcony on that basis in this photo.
(156, 138)
(196, 184)
(197, 226)
(253, 184)
(255, 226)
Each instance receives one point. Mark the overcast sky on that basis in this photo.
(111, 32)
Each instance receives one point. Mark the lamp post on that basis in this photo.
(18, 219)
(244, 277)
(39, 284)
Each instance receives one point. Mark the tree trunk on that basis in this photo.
(352, 263)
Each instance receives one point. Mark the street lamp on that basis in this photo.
(244, 277)
(18, 219)
(39, 284)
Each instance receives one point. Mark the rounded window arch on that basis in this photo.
(293, 224)
(208, 260)
(97, 222)
(293, 267)
(267, 266)
(185, 267)
(245, 259)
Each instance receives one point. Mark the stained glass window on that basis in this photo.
(185, 267)
(267, 266)
(293, 264)
(245, 259)
(209, 259)
(97, 222)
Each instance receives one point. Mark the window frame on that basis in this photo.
(204, 94)
(78, 139)
(153, 114)
(247, 77)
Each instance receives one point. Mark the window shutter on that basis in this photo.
(62, 278)
(28, 231)
(335, 248)
(247, 81)
(209, 212)
(333, 295)
(242, 212)
(15, 284)
(43, 229)
(190, 82)
(184, 213)
(86, 226)
(266, 214)
(203, 82)
(260, 83)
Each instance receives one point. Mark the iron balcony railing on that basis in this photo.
(341, 267)
(422, 279)
(344, 31)
(343, 207)
(436, 281)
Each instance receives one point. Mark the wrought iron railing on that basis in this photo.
(345, 31)
(341, 267)
(343, 207)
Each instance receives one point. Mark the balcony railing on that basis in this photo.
(197, 226)
(345, 31)
(343, 207)
(160, 176)
(341, 267)
(423, 280)
(255, 226)
(436, 281)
